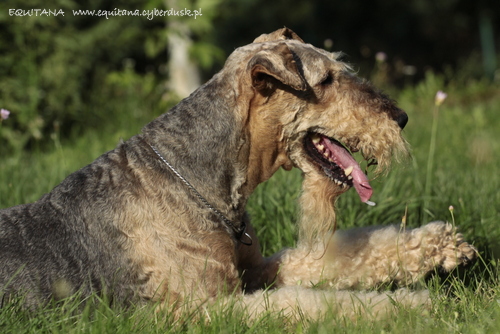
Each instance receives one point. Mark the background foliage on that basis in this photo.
(62, 74)
(75, 86)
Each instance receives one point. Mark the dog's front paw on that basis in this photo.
(448, 247)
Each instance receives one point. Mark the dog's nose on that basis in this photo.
(402, 119)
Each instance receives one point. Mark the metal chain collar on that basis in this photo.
(239, 232)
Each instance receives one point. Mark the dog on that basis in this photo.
(162, 216)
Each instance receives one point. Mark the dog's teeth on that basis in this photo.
(348, 170)
(321, 147)
(349, 177)
(326, 155)
(316, 139)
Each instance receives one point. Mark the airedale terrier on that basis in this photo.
(162, 216)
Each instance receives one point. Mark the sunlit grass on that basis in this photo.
(464, 175)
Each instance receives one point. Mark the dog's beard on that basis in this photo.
(317, 208)
(329, 171)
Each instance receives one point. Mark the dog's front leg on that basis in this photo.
(367, 257)
(256, 271)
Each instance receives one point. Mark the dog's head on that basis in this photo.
(317, 114)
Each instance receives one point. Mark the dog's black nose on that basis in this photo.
(402, 119)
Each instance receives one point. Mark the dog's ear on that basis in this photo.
(279, 63)
(278, 35)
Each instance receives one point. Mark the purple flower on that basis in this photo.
(4, 114)
(440, 97)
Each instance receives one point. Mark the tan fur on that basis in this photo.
(299, 303)
(368, 257)
(197, 253)
(274, 118)
(129, 220)
(317, 217)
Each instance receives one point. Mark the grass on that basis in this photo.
(464, 175)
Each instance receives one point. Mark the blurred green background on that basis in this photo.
(77, 84)
(62, 74)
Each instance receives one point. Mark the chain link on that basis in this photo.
(239, 232)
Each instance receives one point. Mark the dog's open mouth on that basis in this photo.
(337, 163)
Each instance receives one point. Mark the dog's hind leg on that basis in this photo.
(370, 256)
(296, 302)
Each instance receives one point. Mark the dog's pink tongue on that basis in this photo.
(344, 159)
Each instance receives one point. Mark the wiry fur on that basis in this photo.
(367, 257)
(127, 226)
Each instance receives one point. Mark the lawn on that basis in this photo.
(453, 175)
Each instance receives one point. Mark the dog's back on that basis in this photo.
(66, 241)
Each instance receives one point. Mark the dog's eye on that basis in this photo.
(327, 80)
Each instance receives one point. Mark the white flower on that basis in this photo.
(381, 57)
(440, 97)
(4, 114)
